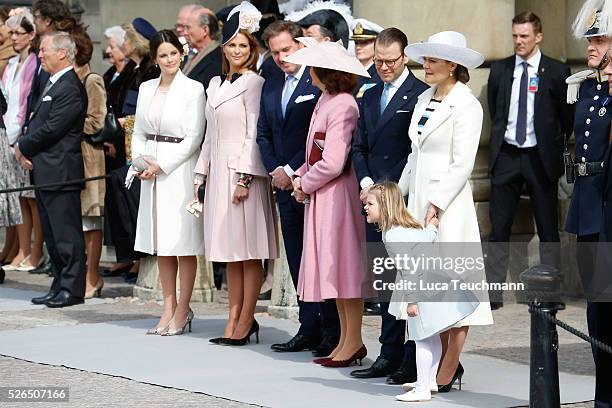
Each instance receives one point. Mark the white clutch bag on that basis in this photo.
(140, 164)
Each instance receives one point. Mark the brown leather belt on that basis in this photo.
(167, 139)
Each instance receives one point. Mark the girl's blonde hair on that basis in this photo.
(393, 211)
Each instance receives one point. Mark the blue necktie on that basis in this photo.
(287, 92)
(384, 99)
(521, 119)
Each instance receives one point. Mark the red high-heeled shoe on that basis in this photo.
(321, 360)
(357, 357)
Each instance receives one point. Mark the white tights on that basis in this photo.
(428, 353)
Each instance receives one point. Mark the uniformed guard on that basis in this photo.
(590, 91)
(364, 33)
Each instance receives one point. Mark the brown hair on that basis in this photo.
(528, 17)
(84, 46)
(393, 211)
(336, 81)
(251, 63)
(164, 36)
(279, 27)
(390, 36)
(462, 74)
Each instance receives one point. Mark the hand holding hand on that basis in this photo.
(22, 160)
(240, 194)
(280, 179)
(412, 310)
(432, 212)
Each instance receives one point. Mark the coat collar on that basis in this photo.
(174, 93)
(235, 88)
(443, 111)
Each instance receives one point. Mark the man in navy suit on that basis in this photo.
(201, 31)
(287, 101)
(380, 151)
(51, 150)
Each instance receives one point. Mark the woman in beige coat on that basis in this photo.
(92, 197)
(239, 223)
(445, 132)
(165, 144)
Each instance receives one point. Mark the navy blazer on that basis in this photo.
(382, 145)
(283, 140)
(53, 139)
(208, 68)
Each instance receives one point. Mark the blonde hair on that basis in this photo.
(393, 211)
(139, 43)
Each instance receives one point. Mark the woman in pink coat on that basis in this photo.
(332, 264)
(239, 222)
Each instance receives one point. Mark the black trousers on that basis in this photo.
(121, 215)
(316, 318)
(514, 169)
(62, 226)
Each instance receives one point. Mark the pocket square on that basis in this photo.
(47, 98)
(304, 98)
(402, 111)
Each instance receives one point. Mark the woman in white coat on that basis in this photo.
(168, 131)
(445, 131)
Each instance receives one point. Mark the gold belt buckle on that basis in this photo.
(582, 170)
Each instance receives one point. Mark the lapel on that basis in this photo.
(303, 84)
(443, 111)
(373, 103)
(275, 97)
(235, 88)
(175, 93)
(401, 97)
(506, 85)
(52, 90)
(146, 92)
(541, 70)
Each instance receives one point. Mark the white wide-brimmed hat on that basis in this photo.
(330, 55)
(446, 45)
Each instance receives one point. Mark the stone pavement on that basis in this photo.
(508, 339)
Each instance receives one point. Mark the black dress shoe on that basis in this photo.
(404, 374)
(2, 274)
(371, 309)
(42, 269)
(381, 368)
(64, 299)
(496, 305)
(43, 299)
(299, 342)
(326, 346)
(117, 272)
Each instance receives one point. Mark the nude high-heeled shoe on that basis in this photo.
(96, 291)
(178, 332)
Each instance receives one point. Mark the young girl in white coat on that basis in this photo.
(426, 320)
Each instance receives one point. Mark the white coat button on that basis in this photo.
(585, 146)
(588, 121)
(583, 160)
(591, 109)
(587, 133)
(596, 97)
(599, 87)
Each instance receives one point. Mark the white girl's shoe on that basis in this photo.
(410, 386)
(414, 396)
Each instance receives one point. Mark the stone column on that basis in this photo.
(149, 287)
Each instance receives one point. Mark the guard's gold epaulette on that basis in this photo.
(573, 82)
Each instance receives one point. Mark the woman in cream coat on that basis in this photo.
(239, 222)
(168, 131)
(445, 132)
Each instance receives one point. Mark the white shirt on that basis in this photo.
(54, 78)
(12, 89)
(532, 71)
(393, 87)
(298, 75)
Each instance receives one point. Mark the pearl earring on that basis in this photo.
(451, 73)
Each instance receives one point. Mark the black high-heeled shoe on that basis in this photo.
(458, 375)
(2, 275)
(217, 340)
(246, 339)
